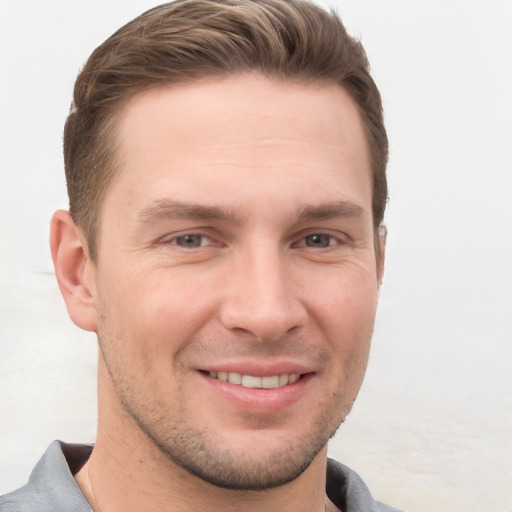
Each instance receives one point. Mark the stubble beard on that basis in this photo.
(200, 454)
(207, 456)
(197, 453)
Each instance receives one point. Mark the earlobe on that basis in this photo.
(74, 270)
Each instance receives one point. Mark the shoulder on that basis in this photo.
(348, 491)
(51, 486)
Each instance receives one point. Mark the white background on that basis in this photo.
(432, 429)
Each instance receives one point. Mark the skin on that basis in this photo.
(237, 236)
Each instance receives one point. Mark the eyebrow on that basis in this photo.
(333, 210)
(166, 209)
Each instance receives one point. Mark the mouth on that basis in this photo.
(258, 390)
(251, 381)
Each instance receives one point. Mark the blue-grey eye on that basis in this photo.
(317, 240)
(190, 241)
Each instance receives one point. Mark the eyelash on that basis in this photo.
(325, 237)
(174, 240)
(330, 239)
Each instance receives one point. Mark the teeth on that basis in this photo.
(234, 378)
(293, 378)
(270, 382)
(249, 381)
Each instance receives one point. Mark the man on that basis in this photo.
(225, 163)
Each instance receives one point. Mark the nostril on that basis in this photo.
(264, 324)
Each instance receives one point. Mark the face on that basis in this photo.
(236, 283)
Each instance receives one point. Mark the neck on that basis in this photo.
(126, 471)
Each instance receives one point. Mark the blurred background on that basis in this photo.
(432, 428)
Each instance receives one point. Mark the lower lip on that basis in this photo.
(257, 400)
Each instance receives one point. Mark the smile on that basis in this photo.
(249, 381)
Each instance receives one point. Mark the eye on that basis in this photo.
(191, 241)
(318, 241)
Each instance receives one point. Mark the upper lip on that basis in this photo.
(257, 369)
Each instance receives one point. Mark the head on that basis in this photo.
(225, 162)
(187, 41)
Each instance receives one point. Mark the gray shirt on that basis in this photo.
(52, 488)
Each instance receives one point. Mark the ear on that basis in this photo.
(381, 254)
(74, 270)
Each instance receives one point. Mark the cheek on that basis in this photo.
(345, 300)
(156, 314)
(344, 312)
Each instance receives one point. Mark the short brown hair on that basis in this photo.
(188, 40)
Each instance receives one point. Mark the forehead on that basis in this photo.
(222, 133)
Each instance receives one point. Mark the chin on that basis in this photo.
(236, 470)
(263, 460)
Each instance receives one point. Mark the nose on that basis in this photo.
(262, 297)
